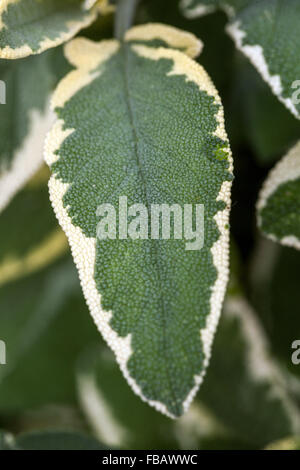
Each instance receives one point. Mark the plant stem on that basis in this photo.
(124, 17)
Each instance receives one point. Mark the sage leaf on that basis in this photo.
(267, 32)
(30, 237)
(31, 26)
(25, 117)
(278, 207)
(245, 386)
(36, 312)
(146, 123)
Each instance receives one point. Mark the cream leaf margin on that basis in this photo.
(25, 50)
(255, 53)
(88, 56)
(28, 158)
(174, 37)
(287, 169)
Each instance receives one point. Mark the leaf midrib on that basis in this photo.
(125, 51)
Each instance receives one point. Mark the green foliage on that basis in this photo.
(279, 201)
(274, 291)
(139, 116)
(31, 26)
(36, 313)
(149, 151)
(266, 125)
(289, 443)
(25, 118)
(41, 240)
(98, 376)
(266, 32)
(49, 440)
(253, 403)
(6, 441)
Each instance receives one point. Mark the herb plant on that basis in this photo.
(113, 107)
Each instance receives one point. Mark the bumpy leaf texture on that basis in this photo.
(32, 26)
(144, 121)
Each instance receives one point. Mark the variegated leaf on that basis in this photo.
(30, 237)
(245, 387)
(278, 206)
(156, 34)
(146, 123)
(25, 117)
(36, 311)
(32, 26)
(267, 32)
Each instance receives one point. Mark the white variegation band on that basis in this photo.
(287, 169)
(261, 365)
(255, 53)
(256, 56)
(28, 158)
(174, 37)
(197, 11)
(72, 27)
(84, 249)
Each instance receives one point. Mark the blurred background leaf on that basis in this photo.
(244, 387)
(290, 443)
(49, 440)
(274, 291)
(25, 118)
(6, 441)
(45, 324)
(57, 440)
(263, 122)
(30, 236)
(116, 414)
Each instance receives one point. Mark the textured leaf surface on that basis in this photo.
(32, 26)
(279, 201)
(267, 32)
(146, 123)
(25, 118)
(244, 387)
